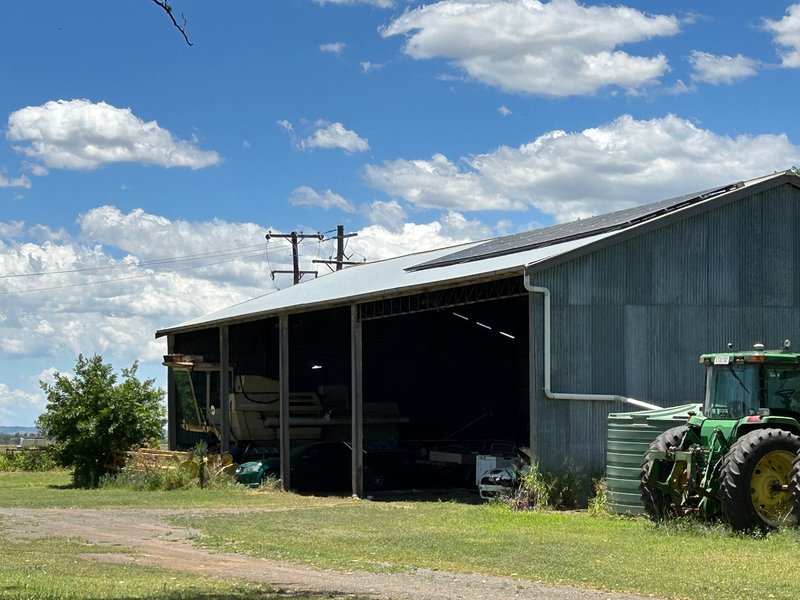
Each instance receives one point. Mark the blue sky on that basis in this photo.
(139, 175)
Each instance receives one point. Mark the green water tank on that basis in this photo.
(629, 436)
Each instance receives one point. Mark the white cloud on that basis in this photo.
(713, 69)
(454, 225)
(571, 175)
(334, 135)
(306, 196)
(503, 226)
(22, 181)
(42, 233)
(557, 48)
(47, 375)
(679, 88)
(389, 215)
(20, 407)
(11, 230)
(376, 242)
(78, 134)
(37, 169)
(787, 35)
(151, 237)
(326, 136)
(369, 67)
(109, 289)
(333, 48)
(286, 126)
(438, 183)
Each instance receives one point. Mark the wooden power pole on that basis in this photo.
(295, 238)
(340, 238)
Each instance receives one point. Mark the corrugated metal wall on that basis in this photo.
(632, 319)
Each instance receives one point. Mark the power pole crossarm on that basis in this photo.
(340, 238)
(295, 239)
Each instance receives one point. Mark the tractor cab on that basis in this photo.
(752, 385)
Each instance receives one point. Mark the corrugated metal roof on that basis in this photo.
(581, 228)
(463, 264)
(379, 279)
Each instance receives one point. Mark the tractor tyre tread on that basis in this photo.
(653, 499)
(794, 489)
(736, 473)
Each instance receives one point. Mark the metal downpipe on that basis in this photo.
(534, 289)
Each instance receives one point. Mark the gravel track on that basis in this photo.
(150, 540)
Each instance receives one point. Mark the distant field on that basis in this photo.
(15, 429)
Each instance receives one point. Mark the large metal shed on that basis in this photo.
(531, 338)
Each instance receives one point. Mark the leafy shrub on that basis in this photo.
(91, 415)
(540, 489)
(28, 460)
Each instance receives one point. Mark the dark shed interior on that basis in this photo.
(453, 379)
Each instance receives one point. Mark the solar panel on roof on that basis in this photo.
(546, 236)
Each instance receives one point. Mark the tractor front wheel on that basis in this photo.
(754, 480)
(654, 500)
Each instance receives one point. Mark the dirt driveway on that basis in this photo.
(153, 541)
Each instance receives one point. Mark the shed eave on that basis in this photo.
(346, 300)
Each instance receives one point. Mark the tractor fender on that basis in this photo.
(774, 422)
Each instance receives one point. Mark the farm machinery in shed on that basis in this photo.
(736, 460)
(254, 409)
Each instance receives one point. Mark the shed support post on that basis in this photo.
(357, 401)
(224, 389)
(172, 401)
(533, 390)
(283, 415)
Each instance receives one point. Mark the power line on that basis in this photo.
(140, 276)
(235, 254)
(156, 261)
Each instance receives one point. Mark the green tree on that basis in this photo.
(90, 415)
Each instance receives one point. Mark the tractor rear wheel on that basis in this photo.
(754, 480)
(794, 490)
(653, 499)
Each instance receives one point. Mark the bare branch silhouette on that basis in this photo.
(164, 4)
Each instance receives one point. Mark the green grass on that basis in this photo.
(52, 569)
(684, 560)
(53, 489)
(609, 553)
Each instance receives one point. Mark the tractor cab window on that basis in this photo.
(731, 391)
(187, 410)
(782, 390)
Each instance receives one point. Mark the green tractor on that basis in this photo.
(737, 459)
